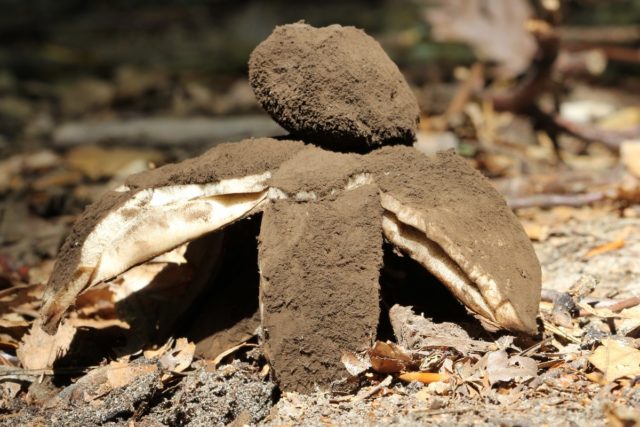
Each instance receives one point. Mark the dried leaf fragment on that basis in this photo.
(39, 350)
(502, 368)
(389, 358)
(616, 360)
(179, 357)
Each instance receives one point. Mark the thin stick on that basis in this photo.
(549, 200)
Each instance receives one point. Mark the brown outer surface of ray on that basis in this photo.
(334, 86)
(317, 171)
(231, 160)
(319, 266)
(467, 216)
(224, 161)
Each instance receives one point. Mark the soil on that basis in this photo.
(334, 86)
(320, 264)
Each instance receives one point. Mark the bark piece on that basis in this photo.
(333, 85)
(319, 266)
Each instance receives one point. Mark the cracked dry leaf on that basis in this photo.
(616, 360)
(502, 368)
(390, 358)
(39, 350)
(179, 357)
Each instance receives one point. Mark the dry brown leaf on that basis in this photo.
(40, 350)
(604, 248)
(57, 178)
(537, 232)
(389, 358)
(354, 364)
(119, 374)
(102, 380)
(616, 360)
(180, 357)
(502, 368)
(625, 118)
(495, 29)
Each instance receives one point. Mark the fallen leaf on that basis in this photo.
(40, 350)
(96, 162)
(494, 29)
(502, 368)
(101, 381)
(630, 157)
(604, 248)
(616, 360)
(354, 364)
(389, 358)
(536, 231)
(57, 178)
(179, 357)
(626, 118)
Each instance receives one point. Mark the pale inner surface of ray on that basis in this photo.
(486, 289)
(157, 220)
(432, 257)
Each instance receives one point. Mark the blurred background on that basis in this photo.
(540, 95)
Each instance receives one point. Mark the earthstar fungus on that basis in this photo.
(324, 213)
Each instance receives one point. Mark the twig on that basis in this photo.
(554, 329)
(373, 390)
(536, 346)
(443, 411)
(614, 306)
(549, 295)
(11, 373)
(549, 200)
(610, 138)
(599, 34)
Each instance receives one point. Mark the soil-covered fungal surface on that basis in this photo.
(334, 86)
(320, 239)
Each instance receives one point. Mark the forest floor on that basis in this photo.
(564, 151)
